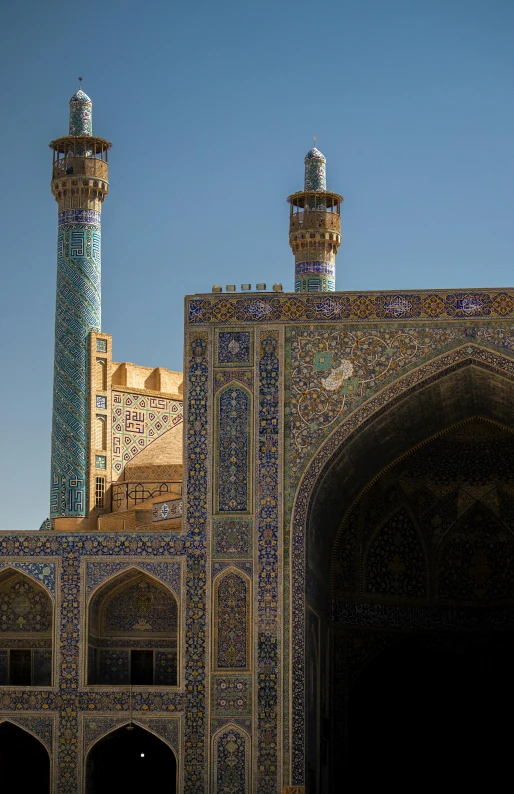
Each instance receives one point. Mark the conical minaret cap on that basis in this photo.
(81, 114)
(315, 171)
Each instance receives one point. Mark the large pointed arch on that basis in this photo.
(232, 620)
(467, 381)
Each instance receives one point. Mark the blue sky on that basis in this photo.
(211, 108)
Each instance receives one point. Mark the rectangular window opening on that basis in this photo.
(141, 667)
(100, 492)
(20, 667)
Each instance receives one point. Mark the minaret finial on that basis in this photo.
(80, 85)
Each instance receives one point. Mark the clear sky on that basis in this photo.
(211, 108)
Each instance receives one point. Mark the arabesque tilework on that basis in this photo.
(361, 307)
(233, 481)
(231, 761)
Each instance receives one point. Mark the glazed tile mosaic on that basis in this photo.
(232, 537)
(231, 695)
(315, 171)
(234, 348)
(233, 454)
(81, 114)
(427, 306)
(77, 313)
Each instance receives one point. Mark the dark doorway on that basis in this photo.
(131, 760)
(24, 762)
(433, 710)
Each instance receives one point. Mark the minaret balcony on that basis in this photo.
(80, 166)
(315, 219)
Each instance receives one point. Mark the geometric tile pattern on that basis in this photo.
(99, 571)
(137, 420)
(315, 171)
(43, 572)
(77, 313)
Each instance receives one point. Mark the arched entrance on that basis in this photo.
(24, 761)
(131, 760)
(409, 537)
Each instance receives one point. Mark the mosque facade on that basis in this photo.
(237, 556)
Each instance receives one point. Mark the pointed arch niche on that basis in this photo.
(231, 755)
(132, 632)
(232, 598)
(26, 620)
(233, 449)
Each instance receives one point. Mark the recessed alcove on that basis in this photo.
(132, 632)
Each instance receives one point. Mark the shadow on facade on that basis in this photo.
(410, 590)
(433, 707)
(131, 760)
(24, 761)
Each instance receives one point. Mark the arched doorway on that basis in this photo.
(131, 760)
(409, 535)
(24, 761)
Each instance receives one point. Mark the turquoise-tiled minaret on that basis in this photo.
(315, 228)
(79, 185)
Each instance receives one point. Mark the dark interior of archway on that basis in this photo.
(131, 760)
(433, 711)
(24, 762)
